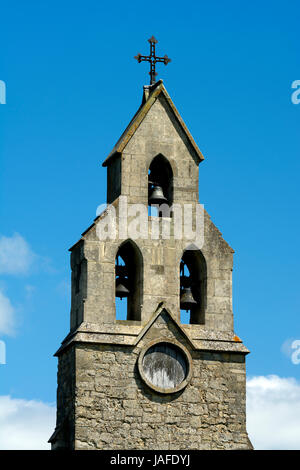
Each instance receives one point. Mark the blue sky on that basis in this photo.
(73, 86)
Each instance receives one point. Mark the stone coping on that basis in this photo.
(130, 340)
(134, 328)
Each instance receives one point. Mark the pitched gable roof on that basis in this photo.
(148, 101)
(161, 309)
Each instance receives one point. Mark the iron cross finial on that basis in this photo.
(152, 59)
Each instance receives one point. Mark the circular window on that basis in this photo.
(165, 366)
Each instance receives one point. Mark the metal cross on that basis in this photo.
(152, 59)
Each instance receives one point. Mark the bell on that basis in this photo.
(121, 280)
(121, 289)
(157, 196)
(187, 300)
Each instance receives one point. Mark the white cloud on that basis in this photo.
(273, 412)
(25, 425)
(7, 316)
(16, 256)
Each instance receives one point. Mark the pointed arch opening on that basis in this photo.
(193, 287)
(128, 281)
(160, 186)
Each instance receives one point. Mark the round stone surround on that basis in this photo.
(165, 365)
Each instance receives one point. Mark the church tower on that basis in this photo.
(171, 375)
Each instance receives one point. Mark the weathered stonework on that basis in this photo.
(102, 401)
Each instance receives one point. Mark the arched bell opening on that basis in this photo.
(193, 287)
(128, 282)
(160, 187)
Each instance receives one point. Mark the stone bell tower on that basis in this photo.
(158, 379)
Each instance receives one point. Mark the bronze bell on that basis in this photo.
(157, 196)
(187, 300)
(121, 289)
(121, 281)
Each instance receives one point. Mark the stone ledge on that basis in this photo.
(130, 340)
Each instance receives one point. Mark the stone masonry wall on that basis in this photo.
(114, 409)
(102, 401)
(94, 303)
(66, 377)
(161, 262)
(159, 133)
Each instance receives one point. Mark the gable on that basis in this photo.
(164, 325)
(157, 95)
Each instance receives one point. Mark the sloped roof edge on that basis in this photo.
(160, 309)
(146, 105)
